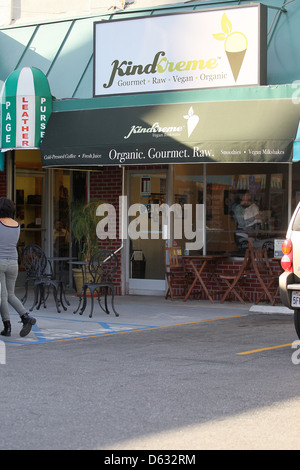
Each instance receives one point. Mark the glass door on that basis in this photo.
(145, 232)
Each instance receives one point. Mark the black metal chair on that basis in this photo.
(39, 271)
(102, 269)
(34, 262)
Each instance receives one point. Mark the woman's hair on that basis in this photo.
(7, 207)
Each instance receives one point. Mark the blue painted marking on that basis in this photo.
(38, 334)
(105, 325)
(46, 334)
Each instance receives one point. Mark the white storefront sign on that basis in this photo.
(202, 49)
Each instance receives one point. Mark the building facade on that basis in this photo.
(200, 145)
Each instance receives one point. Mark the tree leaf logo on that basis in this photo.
(226, 28)
(235, 44)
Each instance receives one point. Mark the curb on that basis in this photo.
(269, 309)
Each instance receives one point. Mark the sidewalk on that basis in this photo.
(136, 313)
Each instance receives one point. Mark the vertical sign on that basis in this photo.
(26, 107)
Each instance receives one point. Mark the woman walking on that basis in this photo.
(9, 236)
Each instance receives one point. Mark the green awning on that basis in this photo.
(227, 131)
(26, 103)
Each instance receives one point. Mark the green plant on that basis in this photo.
(84, 222)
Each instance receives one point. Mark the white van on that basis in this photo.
(289, 280)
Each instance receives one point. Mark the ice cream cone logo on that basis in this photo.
(235, 45)
(192, 121)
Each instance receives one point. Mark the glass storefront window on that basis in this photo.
(68, 187)
(188, 190)
(296, 185)
(241, 202)
(61, 208)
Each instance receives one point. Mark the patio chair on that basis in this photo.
(175, 272)
(102, 269)
(236, 282)
(265, 275)
(36, 265)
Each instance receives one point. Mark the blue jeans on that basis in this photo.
(8, 275)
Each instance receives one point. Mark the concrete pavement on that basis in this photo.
(136, 313)
(133, 382)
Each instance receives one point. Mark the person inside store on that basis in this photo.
(239, 210)
(247, 214)
(63, 205)
(247, 217)
(61, 239)
(9, 236)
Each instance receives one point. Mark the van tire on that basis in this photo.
(297, 322)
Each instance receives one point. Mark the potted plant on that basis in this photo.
(84, 222)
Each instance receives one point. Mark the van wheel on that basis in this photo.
(297, 322)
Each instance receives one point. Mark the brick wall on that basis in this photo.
(107, 186)
(230, 267)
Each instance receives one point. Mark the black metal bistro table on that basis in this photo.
(57, 269)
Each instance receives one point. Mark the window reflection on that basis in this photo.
(239, 204)
(188, 189)
(61, 229)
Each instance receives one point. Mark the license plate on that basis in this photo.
(295, 298)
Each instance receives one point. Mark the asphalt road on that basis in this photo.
(172, 387)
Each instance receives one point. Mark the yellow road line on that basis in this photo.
(201, 321)
(264, 349)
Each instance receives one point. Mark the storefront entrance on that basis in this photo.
(146, 237)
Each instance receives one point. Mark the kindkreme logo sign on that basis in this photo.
(202, 49)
